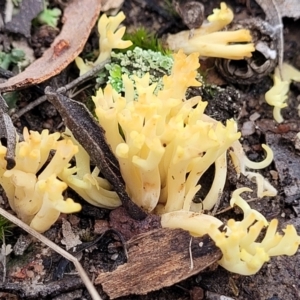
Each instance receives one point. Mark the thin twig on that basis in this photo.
(191, 254)
(28, 107)
(62, 90)
(4, 256)
(231, 207)
(85, 77)
(90, 287)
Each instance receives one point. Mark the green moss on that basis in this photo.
(49, 16)
(5, 227)
(144, 39)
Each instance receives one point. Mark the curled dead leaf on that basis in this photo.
(79, 18)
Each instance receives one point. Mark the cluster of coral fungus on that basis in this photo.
(164, 144)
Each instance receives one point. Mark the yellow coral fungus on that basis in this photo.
(241, 162)
(210, 42)
(89, 185)
(167, 144)
(110, 38)
(277, 95)
(242, 253)
(52, 203)
(38, 200)
(236, 199)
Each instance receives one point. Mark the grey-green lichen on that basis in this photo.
(136, 62)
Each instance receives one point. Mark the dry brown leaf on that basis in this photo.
(79, 18)
(158, 259)
(289, 8)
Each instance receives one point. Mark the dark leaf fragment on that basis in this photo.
(7, 132)
(21, 23)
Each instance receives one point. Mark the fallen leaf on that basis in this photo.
(79, 18)
(21, 23)
(289, 8)
(158, 259)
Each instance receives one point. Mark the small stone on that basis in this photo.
(274, 174)
(100, 226)
(197, 293)
(74, 220)
(297, 141)
(255, 116)
(248, 128)
(29, 273)
(46, 125)
(114, 256)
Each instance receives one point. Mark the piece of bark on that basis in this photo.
(79, 18)
(158, 259)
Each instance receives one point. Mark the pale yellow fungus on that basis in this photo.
(110, 38)
(167, 143)
(164, 144)
(52, 203)
(242, 253)
(236, 199)
(209, 41)
(278, 94)
(89, 185)
(38, 201)
(198, 224)
(241, 163)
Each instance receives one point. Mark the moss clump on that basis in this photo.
(144, 39)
